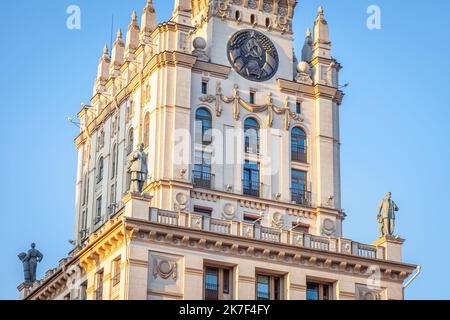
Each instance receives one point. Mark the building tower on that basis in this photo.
(242, 198)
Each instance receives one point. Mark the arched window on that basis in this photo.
(298, 145)
(251, 135)
(267, 22)
(252, 19)
(101, 168)
(146, 130)
(203, 126)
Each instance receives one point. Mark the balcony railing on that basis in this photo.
(299, 156)
(301, 197)
(251, 188)
(257, 232)
(202, 179)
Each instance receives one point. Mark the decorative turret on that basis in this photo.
(322, 44)
(307, 50)
(117, 56)
(132, 38)
(148, 23)
(182, 12)
(103, 71)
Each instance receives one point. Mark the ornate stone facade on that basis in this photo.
(187, 89)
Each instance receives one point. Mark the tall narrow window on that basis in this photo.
(114, 162)
(204, 87)
(98, 210)
(203, 126)
(101, 168)
(298, 107)
(267, 22)
(112, 204)
(237, 15)
(252, 97)
(146, 134)
(299, 192)
(217, 283)
(99, 286)
(298, 145)
(211, 283)
(251, 181)
(85, 189)
(268, 287)
(116, 272)
(251, 135)
(202, 170)
(130, 141)
(252, 19)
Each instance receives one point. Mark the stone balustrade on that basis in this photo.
(258, 232)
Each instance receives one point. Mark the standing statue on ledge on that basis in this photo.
(30, 261)
(137, 167)
(386, 216)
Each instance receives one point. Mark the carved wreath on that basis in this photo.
(238, 102)
(165, 269)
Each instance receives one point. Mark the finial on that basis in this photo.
(105, 49)
(119, 33)
(320, 10)
(134, 16)
(308, 33)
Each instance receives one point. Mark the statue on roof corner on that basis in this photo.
(137, 167)
(30, 261)
(386, 216)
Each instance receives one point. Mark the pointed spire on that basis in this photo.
(102, 71)
(182, 12)
(148, 23)
(307, 50)
(117, 55)
(322, 44)
(132, 37)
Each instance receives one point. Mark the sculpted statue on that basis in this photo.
(137, 167)
(386, 216)
(30, 261)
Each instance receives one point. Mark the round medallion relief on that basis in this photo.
(253, 55)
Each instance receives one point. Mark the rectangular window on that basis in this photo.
(211, 283)
(99, 286)
(298, 107)
(206, 212)
(299, 192)
(268, 287)
(251, 218)
(251, 181)
(318, 291)
(98, 211)
(252, 97)
(217, 283)
(204, 87)
(202, 170)
(116, 272)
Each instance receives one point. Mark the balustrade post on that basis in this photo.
(153, 214)
(284, 236)
(307, 242)
(257, 231)
(355, 248)
(206, 223)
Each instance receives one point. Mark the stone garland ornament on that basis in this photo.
(253, 55)
(238, 102)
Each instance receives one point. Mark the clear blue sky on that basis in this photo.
(394, 122)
